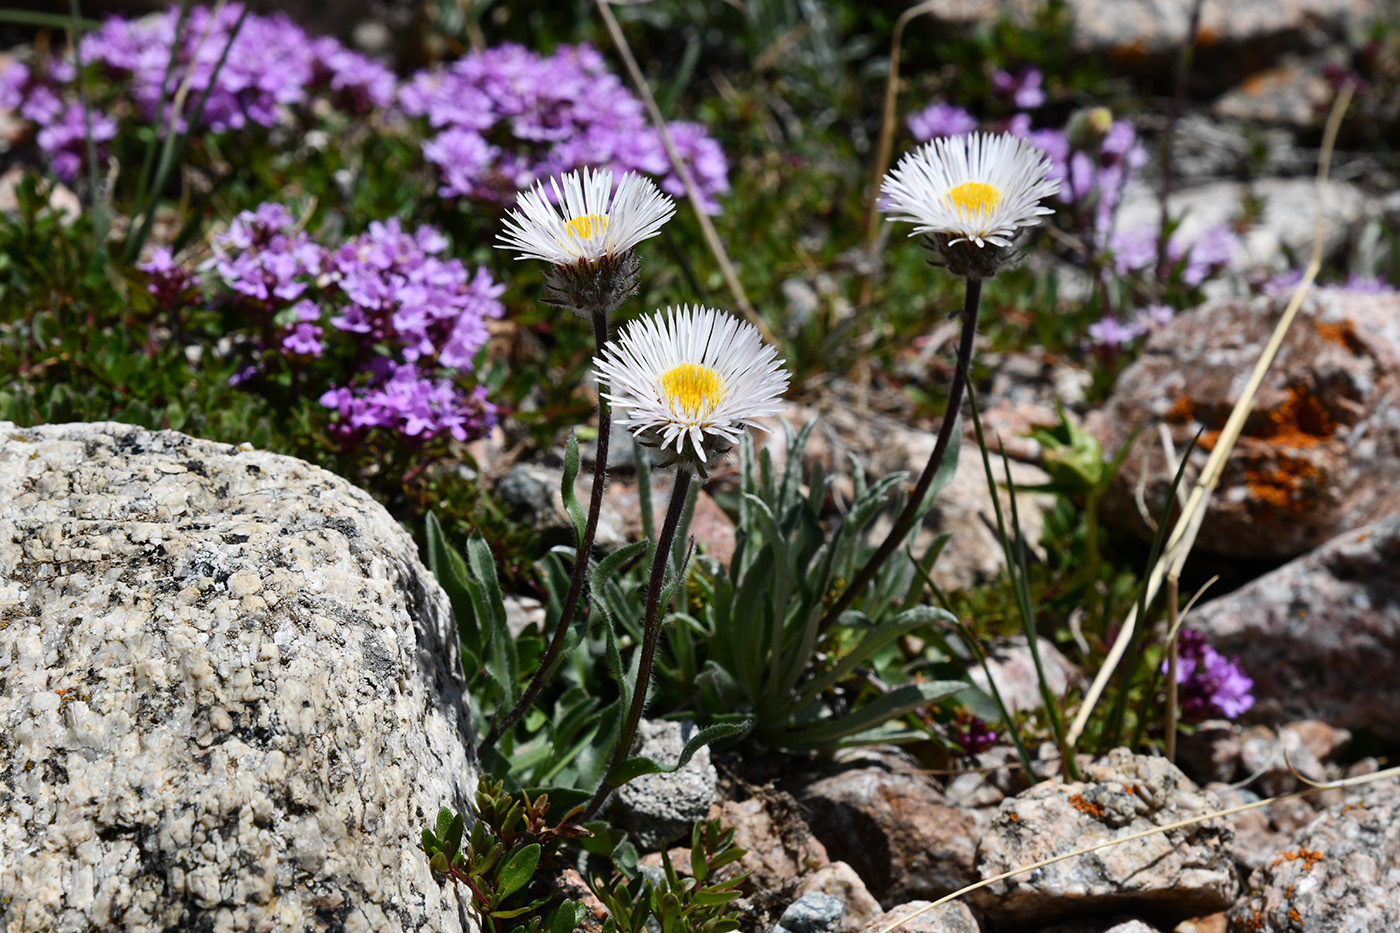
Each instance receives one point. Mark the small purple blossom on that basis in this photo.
(975, 736)
(1211, 684)
(1023, 89)
(938, 120)
(171, 284)
(1113, 334)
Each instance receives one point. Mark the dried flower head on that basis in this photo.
(971, 194)
(689, 381)
(587, 232)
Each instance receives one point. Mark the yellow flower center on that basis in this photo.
(584, 228)
(690, 385)
(973, 198)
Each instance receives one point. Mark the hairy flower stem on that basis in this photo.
(651, 635)
(580, 574)
(971, 305)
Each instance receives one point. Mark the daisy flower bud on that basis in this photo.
(689, 382)
(971, 194)
(587, 233)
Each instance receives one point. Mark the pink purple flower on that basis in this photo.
(171, 283)
(271, 66)
(507, 117)
(1211, 685)
(938, 120)
(411, 319)
(1022, 89)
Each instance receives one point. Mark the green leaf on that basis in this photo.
(639, 765)
(566, 491)
(453, 840)
(444, 822)
(877, 712)
(566, 917)
(518, 869)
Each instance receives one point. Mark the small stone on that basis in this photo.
(841, 881)
(813, 912)
(661, 808)
(1173, 875)
(895, 828)
(916, 917)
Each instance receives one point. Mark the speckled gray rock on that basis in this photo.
(660, 808)
(1145, 34)
(1174, 875)
(229, 693)
(811, 913)
(913, 917)
(1321, 446)
(1320, 636)
(1339, 874)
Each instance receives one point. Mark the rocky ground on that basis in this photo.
(157, 766)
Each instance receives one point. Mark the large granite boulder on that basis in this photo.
(1321, 446)
(1320, 636)
(229, 693)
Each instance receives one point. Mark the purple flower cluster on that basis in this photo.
(271, 66)
(938, 120)
(1093, 161)
(507, 117)
(62, 126)
(1214, 249)
(1211, 685)
(974, 735)
(406, 318)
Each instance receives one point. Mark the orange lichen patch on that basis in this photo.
(1341, 333)
(1013, 817)
(1253, 922)
(1289, 484)
(1084, 806)
(1301, 421)
(1182, 410)
(1309, 858)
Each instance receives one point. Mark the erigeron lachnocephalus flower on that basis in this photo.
(588, 234)
(971, 195)
(688, 382)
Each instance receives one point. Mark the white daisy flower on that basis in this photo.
(976, 188)
(690, 381)
(588, 222)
